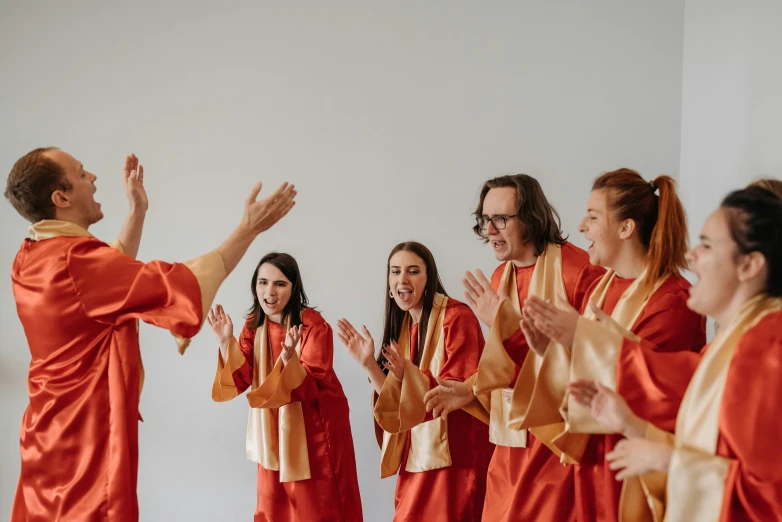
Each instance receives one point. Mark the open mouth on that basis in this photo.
(271, 302)
(404, 295)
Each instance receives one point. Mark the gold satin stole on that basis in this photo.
(508, 423)
(276, 435)
(399, 408)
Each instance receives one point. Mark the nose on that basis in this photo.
(491, 229)
(689, 257)
(93, 177)
(582, 227)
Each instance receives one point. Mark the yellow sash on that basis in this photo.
(508, 422)
(400, 408)
(696, 474)
(276, 437)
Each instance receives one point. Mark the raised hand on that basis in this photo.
(221, 324)
(448, 396)
(395, 362)
(292, 337)
(133, 181)
(634, 457)
(361, 348)
(260, 216)
(556, 322)
(481, 297)
(607, 407)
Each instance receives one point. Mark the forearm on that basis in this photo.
(635, 428)
(130, 235)
(376, 376)
(234, 248)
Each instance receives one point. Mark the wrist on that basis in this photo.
(635, 428)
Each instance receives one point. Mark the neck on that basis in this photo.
(630, 263)
(733, 307)
(83, 223)
(276, 318)
(415, 313)
(525, 258)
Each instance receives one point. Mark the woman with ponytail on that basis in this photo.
(638, 230)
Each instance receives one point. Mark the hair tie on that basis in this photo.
(653, 186)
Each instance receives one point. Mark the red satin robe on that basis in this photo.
(332, 493)
(652, 377)
(455, 493)
(750, 427)
(78, 300)
(530, 483)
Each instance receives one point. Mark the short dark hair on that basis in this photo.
(31, 183)
(540, 221)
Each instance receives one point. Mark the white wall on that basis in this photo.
(387, 116)
(731, 103)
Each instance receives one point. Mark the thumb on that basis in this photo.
(254, 193)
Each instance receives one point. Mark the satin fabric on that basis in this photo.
(332, 492)
(651, 376)
(530, 483)
(78, 301)
(454, 493)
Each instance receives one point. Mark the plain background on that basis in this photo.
(388, 118)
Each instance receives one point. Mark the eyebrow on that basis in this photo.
(276, 281)
(411, 266)
(703, 238)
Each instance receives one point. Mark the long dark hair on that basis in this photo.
(660, 220)
(394, 315)
(540, 221)
(298, 301)
(755, 222)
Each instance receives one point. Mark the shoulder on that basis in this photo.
(574, 256)
(673, 292)
(457, 311)
(497, 275)
(312, 318)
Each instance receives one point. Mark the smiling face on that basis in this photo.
(78, 203)
(407, 280)
(713, 260)
(273, 290)
(603, 232)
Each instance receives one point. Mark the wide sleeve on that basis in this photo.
(400, 405)
(234, 374)
(114, 288)
(298, 380)
(750, 429)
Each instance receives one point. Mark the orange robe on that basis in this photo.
(652, 376)
(455, 493)
(78, 300)
(332, 494)
(750, 427)
(530, 483)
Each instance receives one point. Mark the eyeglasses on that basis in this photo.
(498, 222)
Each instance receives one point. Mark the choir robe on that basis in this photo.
(725, 465)
(652, 373)
(79, 301)
(332, 492)
(454, 493)
(530, 483)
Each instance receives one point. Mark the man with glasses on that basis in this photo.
(526, 478)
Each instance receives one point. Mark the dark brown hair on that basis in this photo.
(31, 183)
(394, 316)
(298, 301)
(660, 220)
(770, 184)
(755, 220)
(540, 222)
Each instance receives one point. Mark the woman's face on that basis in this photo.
(273, 290)
(407, 279)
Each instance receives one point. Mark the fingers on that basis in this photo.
(254, 193)
(470, 301)
(564, 304)
(483, 281)
(539, 309)
(367, 334)
(140, 173)
(472, 285)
